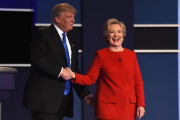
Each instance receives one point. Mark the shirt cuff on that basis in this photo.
(60, 72)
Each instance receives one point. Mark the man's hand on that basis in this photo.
(66, 74)
(140, 112)
(71, 72)
(89, 99)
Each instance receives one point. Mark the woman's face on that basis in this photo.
(115, 35)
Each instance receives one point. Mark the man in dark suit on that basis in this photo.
(47, 94)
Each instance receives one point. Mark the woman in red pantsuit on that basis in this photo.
(119, 93)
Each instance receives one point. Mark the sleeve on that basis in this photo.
(38, 55)
(139, 88)
(91, 75)
(82, 91)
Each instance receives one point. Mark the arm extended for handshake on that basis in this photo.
(68, 74)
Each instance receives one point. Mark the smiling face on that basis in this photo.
(115, 35)
(65, 21)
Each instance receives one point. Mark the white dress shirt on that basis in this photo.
(60, 32)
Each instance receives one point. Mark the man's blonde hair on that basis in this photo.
(59, 8)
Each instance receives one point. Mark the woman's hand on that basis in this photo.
(140, 112)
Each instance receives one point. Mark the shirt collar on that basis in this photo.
(60, 32)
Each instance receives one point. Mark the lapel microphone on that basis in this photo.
(120, 59)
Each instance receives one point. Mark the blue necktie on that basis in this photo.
(68, 83)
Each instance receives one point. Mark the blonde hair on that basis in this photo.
(59, 8)
(108, 23)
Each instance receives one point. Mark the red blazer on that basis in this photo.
(119, 84)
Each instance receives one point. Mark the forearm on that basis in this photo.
(46, 66)
(139, 89)
(83, 79)
(39, 55)
(82, 91)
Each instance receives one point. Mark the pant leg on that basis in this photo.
(56, 116)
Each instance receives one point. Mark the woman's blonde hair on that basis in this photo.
(108, 23)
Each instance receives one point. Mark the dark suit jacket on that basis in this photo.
(44, 90)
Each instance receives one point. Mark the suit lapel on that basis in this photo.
(72, 47)
(57, 40)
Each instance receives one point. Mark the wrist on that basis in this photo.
(74, 76)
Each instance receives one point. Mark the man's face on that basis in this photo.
(66, 21)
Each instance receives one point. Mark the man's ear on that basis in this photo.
(57, 19)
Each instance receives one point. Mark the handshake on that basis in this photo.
(67, 74)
